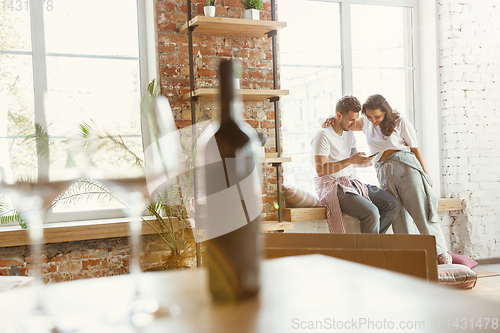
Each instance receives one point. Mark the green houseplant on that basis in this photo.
(252, 8)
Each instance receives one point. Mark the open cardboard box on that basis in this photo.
(409, 254)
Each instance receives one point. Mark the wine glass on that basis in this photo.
(132, 184)
(33, 192)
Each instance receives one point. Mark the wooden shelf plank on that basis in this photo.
(269, 160)
(274, 225)
(246, 94)
(76, 231)
(447, 204)
(225, 26)
(319, 213)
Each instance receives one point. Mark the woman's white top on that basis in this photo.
(402, 138)
(327, 142)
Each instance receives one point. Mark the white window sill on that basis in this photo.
(75, 231)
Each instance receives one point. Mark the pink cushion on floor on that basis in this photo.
(463, 260)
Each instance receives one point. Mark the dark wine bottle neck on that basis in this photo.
(229, 112)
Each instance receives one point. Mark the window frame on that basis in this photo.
(148, 70)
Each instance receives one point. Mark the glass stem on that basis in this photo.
(134, 211)
(35, 226)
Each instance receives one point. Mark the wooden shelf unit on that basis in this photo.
(236, 27)
(223, 26)
(246, 94)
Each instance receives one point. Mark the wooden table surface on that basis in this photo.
(299, 294)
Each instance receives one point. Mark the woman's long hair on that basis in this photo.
(377, 101)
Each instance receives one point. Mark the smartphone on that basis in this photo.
(373, 155)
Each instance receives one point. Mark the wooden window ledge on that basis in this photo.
(74, 231)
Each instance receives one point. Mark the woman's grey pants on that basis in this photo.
(402, 175)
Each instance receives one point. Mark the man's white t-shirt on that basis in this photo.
(327, 142)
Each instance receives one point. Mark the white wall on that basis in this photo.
(469, 40)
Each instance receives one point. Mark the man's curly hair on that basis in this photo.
(346, 104)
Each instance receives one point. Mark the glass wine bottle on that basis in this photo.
(232, 252)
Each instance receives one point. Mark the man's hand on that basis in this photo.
(361, 158)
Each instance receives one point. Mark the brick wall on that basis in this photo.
(470, 101)
(87, 259)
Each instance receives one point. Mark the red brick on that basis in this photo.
(170, 6)
(179, 18)
(168, 70)
(253, 123)
(210, 62)
(166, 48)
(185, 71)
(167, 27)
(267, 124)
(241, 53)
(182, 123)
(168, 59)
(267, 199)
(87, 264)
(221, 11)
(225, 52)
(183, 60)
(232, 3)
(207, 50)
(8, 262)
(174, 81)
(235, 12)
(184, 49)
(199, 9)
(256, 75)
(173, 38)
(206, 71)
(50, 268)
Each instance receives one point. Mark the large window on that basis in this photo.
(333, 48)
(65, 63)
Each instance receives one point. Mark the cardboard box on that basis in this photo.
(410, 254)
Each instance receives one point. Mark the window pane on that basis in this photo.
(310, 69)
(21, 157)
(312, 34)
(84, 196)
(15, 27)
(92, 27)
(103, 91)
(392, 84)
(378, 36)
(16, 92)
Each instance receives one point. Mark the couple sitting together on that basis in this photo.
(405, 184)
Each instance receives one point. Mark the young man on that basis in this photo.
(334, 152)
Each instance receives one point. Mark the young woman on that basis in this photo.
(401, 171)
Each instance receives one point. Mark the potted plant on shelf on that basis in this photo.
(209, 9)
(252, 8)
(262, 140)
